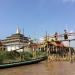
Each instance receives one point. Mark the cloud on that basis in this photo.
(41, 40)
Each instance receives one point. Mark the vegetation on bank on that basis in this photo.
(14, 56)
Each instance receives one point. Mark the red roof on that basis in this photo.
(34, 45)
(57, 43)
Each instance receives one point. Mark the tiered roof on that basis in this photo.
(17, 37)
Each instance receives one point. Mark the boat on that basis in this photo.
(20, 63)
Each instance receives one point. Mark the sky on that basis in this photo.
(36, 17)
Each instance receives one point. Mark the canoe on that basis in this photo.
(20, 63)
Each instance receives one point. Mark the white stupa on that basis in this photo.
(18, 31)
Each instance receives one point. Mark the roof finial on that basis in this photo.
(18, 30)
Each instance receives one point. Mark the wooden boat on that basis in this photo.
(33, 61)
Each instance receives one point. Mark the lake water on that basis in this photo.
(42, 68)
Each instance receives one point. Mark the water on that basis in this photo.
(42, 68)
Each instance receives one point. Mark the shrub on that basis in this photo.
(9, 55)
(1, 58)
(27, 55)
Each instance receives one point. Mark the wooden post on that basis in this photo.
(70, 52)
(34, 53)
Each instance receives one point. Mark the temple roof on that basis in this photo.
(16, 37)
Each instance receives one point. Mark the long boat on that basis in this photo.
(20, 63)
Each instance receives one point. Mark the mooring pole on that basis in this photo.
(70, 52)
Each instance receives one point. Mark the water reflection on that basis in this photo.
(60, 68)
